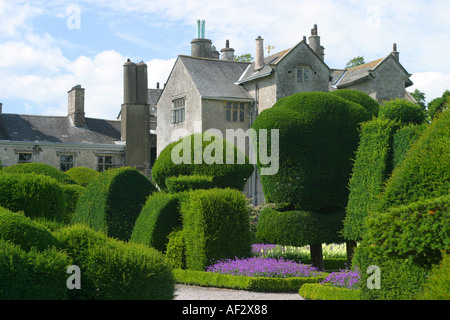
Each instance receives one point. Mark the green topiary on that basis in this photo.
(82, 175)
(359, 97)
(158, 218)
(216, 226)
(72, 193)
(186, 183)
(176, 249)
(112, 202)
(24, 232)
(224, 175)
(32, 275)
(424, 173)
(112, 269)
(437, 286)
(35, 195)
(40, 168)
(299, 228)
(318, 136)
(373, 165)
(404, 138)
(403, 111)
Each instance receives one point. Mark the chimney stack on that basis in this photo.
(394, 52)
(314, 43)
(76, 106)
(259, 56)
(201, 47)
(227, 52)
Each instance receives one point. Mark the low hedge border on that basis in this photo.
(259, 284)
(317, 291)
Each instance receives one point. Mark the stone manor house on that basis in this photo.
(207, 88)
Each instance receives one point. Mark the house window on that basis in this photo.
(105, 162)
(235, 111)
(303, 74)
(25, 157)
(66, 162)
(178, 112)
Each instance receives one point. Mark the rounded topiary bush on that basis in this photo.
(318, 137)
(35, 195)
(40, 168)
(111, 203)
(215, 226)
(299, 228)
(359, 97)
(112, 269)
(402, 110)
(224, 175)
(82, 175)
(72, 193)
(32, 275)
(176, 249)
(186, 183)
(158, 218)
(24, 232)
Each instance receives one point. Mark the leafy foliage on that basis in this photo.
(403, 111)
(361, 98)
(82, 175)
(186, 183)
(40, 168)
(112, 202)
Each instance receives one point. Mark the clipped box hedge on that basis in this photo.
(403, 111)
(82, 175)
(299, 228)
(215, 226)
(24, 232)
(35, 195)
(32, 274)
(260, 284)
(187, 183)
(112, 202)
(116, 270)
(158, 218)
(317, 291)
(40, 168)
(361, 98)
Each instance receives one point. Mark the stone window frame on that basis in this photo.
(22, 153)
(235, 111)
(303, 70)
(109, 161)
(178, 114)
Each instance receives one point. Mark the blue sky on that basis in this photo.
(47, 47)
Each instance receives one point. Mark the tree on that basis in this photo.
(419, 96)
(357, 61)
(318, 136)
(244, 57)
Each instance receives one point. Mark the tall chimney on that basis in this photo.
(200, 46)
(76, 106)
(227, 52)
(394, 52)
(259, 56)
(314, 43)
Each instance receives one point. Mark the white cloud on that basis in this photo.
(432, 83)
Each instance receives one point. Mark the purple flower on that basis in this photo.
(344, 278)
(263, 267)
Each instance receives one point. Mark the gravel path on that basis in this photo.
(187, 292)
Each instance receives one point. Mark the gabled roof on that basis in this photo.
(269, 61)
(17, 127)
(347, 77)
(216, 79)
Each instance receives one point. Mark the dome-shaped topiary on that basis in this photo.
(23, 231)
(112, 202)
(40, 168)
(359, 97)
(36, 195)
(402, 110)
(224, 175)
(82, 175)
(318, 136)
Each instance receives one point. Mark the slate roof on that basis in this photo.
(344, 78)
(17, 127)
(215, 78)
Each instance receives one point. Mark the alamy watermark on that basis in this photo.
(73, 13)
(214, 152)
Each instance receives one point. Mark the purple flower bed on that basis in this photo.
(263, 267)
(349, 279)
